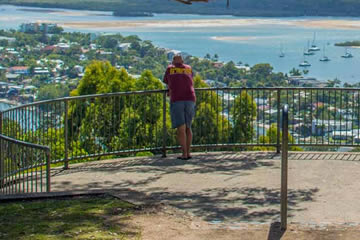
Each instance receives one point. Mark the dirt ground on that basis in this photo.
(168, 223)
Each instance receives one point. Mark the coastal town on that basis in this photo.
(39, 61)
(37, 55)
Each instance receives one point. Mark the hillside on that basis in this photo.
(237, 7)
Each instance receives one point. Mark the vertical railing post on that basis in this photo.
(48, 172)
(164, 125)
(278, 121)
(2, 165)
(66, 132)
(284, 169)
(2, 159)
(1, 122)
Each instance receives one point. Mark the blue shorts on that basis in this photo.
(182, 112)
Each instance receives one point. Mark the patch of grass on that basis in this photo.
(72, 218)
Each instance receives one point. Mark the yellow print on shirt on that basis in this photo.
(180, 71)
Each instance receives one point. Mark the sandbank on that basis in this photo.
(239, 38)
(330, 24)
(233, 38)
(201, 23)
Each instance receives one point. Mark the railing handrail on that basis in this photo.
(26, 144)
(145, 92)
(84, 97)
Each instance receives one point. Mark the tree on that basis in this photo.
(92, 119)
(243, 113)
(3, 76)
(52, 91)
(136, 46)
(101, 77)
(261, 70)
(333, 83)
(295, 72)
(110, 43)
(124, 121)
(4, 43)
(56, 141)
(271, 138)
(216, 57)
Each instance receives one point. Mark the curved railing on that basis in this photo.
(127, 123)
(24, 167)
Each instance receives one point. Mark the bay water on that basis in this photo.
(251, 44)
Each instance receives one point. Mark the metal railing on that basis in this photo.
(24, 167)
(117, 124)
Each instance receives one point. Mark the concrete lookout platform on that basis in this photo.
(230, 187)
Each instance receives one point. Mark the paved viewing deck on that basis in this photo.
(231, 187)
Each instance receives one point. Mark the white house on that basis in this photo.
(124, 46)
(320, 127)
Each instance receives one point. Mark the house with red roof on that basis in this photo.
(49, 48)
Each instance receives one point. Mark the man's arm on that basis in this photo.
(166, 79)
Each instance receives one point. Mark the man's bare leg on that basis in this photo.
(188, 141)
(181, 136)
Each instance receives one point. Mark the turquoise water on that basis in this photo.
(262, 47)
(4, 106)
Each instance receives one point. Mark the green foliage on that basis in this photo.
(3, 76)
(110, 43)
(101, 77)
(209, 126)
(261, 75)
(116, 123)
(144, 154)
(244, 113)
(333, 83)
(147, 81)
(52, 91)
(11, 128)
(271, 138)
(199, 83)
(348, 44)
(56, 141)
(295, 72)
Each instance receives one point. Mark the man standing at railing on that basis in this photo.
(179, 78)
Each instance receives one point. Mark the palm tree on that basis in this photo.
(295, 72)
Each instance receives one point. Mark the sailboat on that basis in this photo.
(347, 54)
(313, 47)
(304, 63)
(282, 54)
(324, 58)
(307, 51)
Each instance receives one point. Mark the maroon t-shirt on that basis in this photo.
(179, 79)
